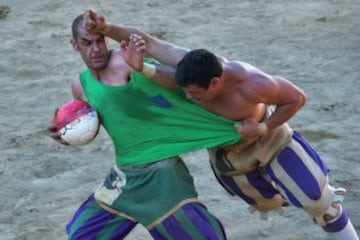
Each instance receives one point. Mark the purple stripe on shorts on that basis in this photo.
(230, 183)
(298, 172)
(124, 229)
(79, 211)
(265, 188)
(311, 152)
(156, 235)
(289, 196)
(339, 224)
(201, 221)
(94, 225)
(174, 228)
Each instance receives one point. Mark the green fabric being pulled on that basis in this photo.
(148, 122)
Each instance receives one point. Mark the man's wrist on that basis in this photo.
(148, 70)
(262, 129)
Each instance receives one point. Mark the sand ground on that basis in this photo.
(316, 44)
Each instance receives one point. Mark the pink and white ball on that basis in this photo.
(77, 122)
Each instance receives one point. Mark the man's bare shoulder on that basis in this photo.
(116, 55)
(117, 60)
(116, 52)
(240, 66)
(247, 71)
(237, 69)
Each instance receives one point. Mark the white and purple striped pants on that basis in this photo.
(297, 173)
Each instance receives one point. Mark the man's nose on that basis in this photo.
(95, 47)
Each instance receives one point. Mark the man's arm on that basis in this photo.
(164, 52)
(77, 89)
(133, 52)
(78, 93)
(289, 99)
(260, 87)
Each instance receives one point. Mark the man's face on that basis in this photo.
(92, 48)
(201, 95)
(198, 94)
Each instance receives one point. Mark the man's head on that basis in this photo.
(92, 47)
(199, 73)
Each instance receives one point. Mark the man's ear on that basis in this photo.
(215, 82)
(74, 44)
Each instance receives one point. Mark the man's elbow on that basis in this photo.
(301, 99)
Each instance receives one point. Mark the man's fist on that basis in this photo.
(94, 22)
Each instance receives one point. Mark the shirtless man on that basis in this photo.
(272, 158)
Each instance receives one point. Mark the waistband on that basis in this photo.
(149, 166)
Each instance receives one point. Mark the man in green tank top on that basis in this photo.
(149, 127)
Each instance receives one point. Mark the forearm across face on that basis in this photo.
(160, 50)
(119, 33)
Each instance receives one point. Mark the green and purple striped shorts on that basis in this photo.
(161, 198)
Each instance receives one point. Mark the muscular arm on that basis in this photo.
(166, 53)
(78, 93)
(133, 53)
(76, 89)
(256, 88)
(162, 51)
(274, 90)
(165, 75)
(288, 99)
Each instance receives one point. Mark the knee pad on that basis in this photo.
(337, 195)
(341, 227)
(338, 222)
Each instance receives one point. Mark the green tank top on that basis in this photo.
(148, 122)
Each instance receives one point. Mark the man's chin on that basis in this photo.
(98, 67)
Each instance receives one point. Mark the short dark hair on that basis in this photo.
(198, 67)
(76, 25)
